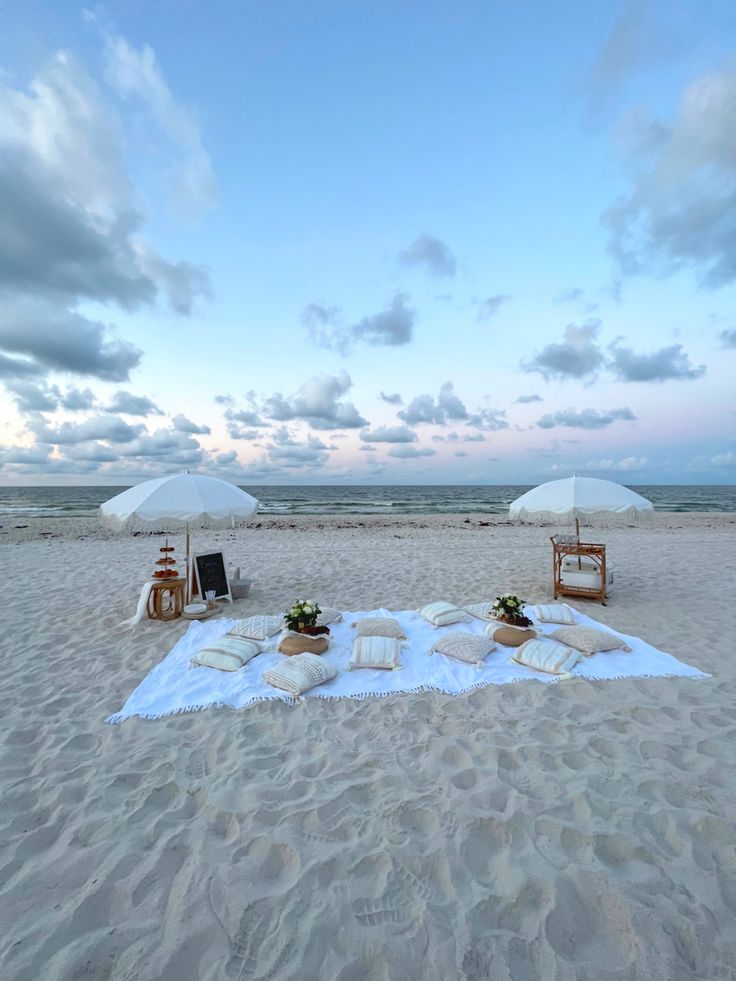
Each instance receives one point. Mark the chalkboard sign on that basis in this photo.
(209, 573)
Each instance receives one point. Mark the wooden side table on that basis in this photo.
(166, 599)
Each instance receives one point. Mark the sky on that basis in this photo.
(361, 241)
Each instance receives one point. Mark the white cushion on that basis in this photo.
(546, 655)
(257, 628)
(481, 611)
(464, 647)
(328, 616)
(300, 673)
(376, 652)
(227, 653)
(440, 614)
(379, 627)
(589, 640)
(554, 613)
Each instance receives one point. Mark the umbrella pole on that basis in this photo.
(188, 584)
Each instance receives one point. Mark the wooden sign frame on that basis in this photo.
(194, 574)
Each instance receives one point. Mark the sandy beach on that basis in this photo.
(573, 831)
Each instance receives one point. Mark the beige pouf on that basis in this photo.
(513, 636)
(303, 643)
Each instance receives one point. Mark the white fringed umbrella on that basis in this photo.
(590, 498)
(182, 500)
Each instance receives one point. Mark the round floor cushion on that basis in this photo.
(303, 643)
(513, 636)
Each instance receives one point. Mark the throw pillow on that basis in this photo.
(299, 643)
(328, 616)
(440, 614)
(589, 640)
(379, 627)
(481, 611)
(227, 653)
(376, 652)
(464, 647)
(546, 655)
(257, 628)
(299, 674)
(554, 613)
(509, 636)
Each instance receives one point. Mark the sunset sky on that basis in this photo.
(368, 242)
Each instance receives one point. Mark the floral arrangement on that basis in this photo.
(511, 609)
(303, 613)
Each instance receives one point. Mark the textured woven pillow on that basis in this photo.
(509, 636)
(227, 653)
(328, 616)
(546, 655)
(376, 652)
(299, 674)
(554, 613)
(440, 614)
(295, 643)
(589, 640)
(464, 647)
(379, 627)
(481, 611)
(257, 628)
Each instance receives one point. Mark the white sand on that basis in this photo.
(575, 831)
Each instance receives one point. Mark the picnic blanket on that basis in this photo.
(174, 686)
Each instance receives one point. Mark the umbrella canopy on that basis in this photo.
(184, 499)
(600, 501)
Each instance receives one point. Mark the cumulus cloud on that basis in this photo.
(626, 465)
(108, 427)
(728, 338)
(318, 403)
(667, 363)
(133, 405)
(287, 452)
(578, 356)
(431, 254)
(391, 327)
(679, 209)
(166, 445)
(70, 231)
(411, 452)
(448, 407)
(489, 308)
(389, 434)
(58, 339)
(490, 420)
(394, 399)
(136, 75)
(585, 419)
(526, 399)
(183, 425)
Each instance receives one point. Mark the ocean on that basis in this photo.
(29, 503)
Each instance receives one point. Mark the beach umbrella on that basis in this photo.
(183, 500)
(598, 501)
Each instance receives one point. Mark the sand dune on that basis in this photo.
(575, 831)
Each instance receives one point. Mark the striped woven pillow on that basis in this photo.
(376, 652)
(554, 613)
(546, 655)
(300, 673)
(440, 614)
(227, 653)
(379, 627)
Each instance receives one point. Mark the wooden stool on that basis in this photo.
(166, 599)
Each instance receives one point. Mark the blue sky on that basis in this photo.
(368, 242)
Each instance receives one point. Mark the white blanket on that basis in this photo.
(173, 686)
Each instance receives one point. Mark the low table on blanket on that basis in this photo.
(166, 599)
(591, 558)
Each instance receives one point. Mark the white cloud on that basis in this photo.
(318, 403)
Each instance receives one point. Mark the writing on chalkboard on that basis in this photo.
(209, 574)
